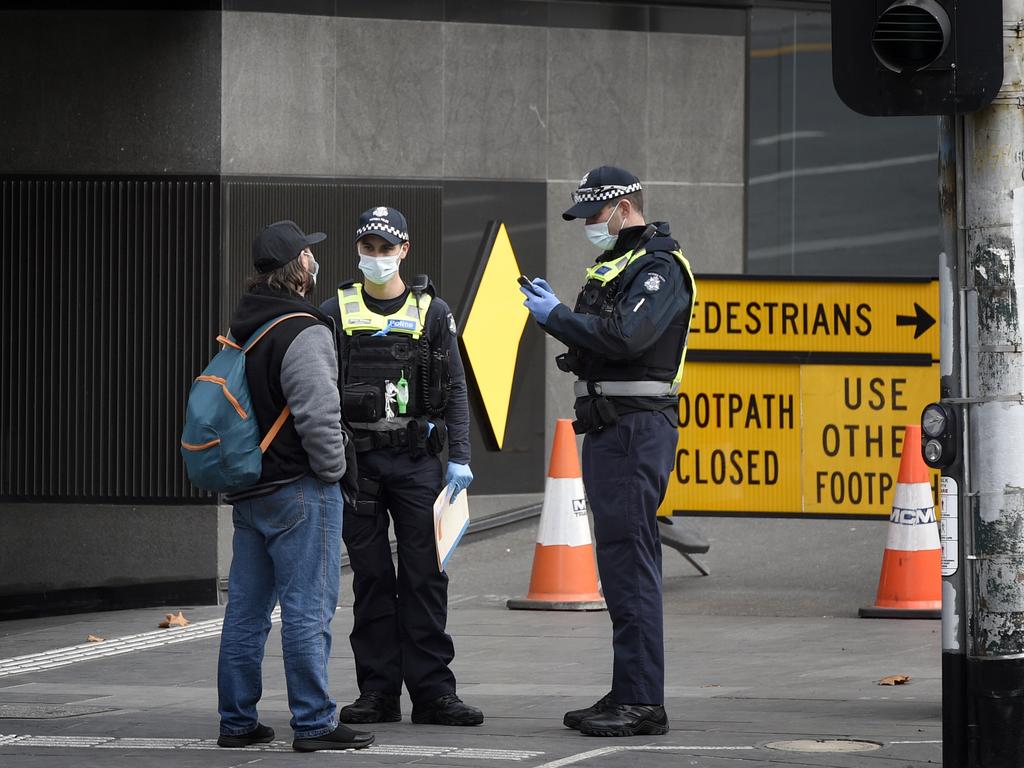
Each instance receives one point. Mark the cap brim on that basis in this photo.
(393, 239)
(584, 210)
(315, 237)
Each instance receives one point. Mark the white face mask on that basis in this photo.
(379, 269)
(599, 235)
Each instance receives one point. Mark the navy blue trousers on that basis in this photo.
(398, 632)
(625, 471)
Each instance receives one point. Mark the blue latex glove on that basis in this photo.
(381, 332)
(458, 477)
(541, 300)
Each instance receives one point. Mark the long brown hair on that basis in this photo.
(291, 278)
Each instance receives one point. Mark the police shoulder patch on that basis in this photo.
(653, 282)
(451, 324)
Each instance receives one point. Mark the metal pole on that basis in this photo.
(954, 482)
(993, 310)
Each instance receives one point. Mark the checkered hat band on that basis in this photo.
(595, 194)
(381, 228)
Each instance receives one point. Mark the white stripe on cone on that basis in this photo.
(563, 518)
(912, 525)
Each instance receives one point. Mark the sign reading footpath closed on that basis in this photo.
(796, 394)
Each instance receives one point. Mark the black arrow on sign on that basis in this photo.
(920, 318)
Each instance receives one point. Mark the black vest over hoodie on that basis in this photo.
(285, 459)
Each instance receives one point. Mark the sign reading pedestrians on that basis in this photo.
(836, 317)
(800, 406)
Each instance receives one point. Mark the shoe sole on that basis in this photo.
(431, 720)
(317, 746)
(235, 742)
(643, 728)
(365, 720)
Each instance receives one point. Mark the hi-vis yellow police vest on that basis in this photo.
(356, 316)
(601, 276)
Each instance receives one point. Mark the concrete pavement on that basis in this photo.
(762, 651)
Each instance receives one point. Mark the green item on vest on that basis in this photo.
(403, 394)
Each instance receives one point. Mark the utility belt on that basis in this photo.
(413, 437)
(594, 410)
(625, 388)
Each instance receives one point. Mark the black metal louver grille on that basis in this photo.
(326, 206)
(909, 36)
(108, 310)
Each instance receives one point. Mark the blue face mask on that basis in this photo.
(599, 235)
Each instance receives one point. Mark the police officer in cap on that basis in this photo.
(627, 341)
(404, 395)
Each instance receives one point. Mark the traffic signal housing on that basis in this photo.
(939, 435)
(917, 57)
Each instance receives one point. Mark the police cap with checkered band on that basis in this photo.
(597, 188)
(385, 222)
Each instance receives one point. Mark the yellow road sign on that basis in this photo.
(817, 316)
(493, 328)
(781, 438)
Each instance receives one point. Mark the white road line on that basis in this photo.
(397, 750)
(579, 758)
(921, 741)
(73, 654)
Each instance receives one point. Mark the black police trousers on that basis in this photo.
(626, 468)
(399, 619)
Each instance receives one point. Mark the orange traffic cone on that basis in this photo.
(910, 585)
(564, 577)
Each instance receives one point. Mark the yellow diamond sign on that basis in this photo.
(493, 327)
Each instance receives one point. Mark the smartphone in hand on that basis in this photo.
(524, 281)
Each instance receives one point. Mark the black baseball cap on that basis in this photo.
(280, 243)
(385, 222)
(597, 188)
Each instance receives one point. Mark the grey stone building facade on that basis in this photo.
(142, 150)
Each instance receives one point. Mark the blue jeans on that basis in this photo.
(287, 548)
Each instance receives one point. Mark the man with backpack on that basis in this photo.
(287, 525)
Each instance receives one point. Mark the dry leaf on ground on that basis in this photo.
(94, 639)
(895, 680)
(174, 621)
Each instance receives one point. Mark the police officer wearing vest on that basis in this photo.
(404, 395)
(627, 341)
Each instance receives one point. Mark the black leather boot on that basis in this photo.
(446, 710)
(626, 720)
(372, 707)
(574, 717)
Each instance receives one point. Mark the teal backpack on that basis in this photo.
(220, 442)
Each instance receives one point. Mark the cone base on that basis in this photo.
(880, 612)
(528, 604)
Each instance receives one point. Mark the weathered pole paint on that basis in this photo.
(991, 279)
(993, 168)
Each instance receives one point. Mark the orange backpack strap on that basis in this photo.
(252, 342)
(269, 438)
(286, 411)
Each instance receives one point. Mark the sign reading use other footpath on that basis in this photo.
(796, 394)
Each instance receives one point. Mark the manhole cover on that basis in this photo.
(47, 711)
(824, 745)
